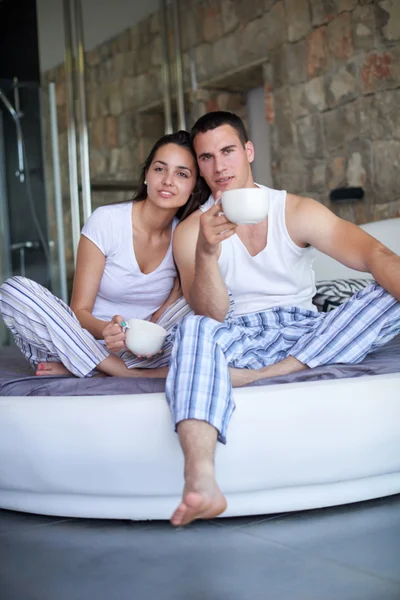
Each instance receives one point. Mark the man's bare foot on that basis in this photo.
(52, 368)
(202, 499)
(240, 377)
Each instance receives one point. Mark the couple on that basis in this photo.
(272, 328)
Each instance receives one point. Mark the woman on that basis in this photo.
(124, 269)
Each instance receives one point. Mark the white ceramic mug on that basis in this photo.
(245, 206)
(144, 337)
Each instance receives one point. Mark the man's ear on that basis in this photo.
(249, 151)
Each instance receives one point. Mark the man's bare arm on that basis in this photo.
(312, 223)
(196, 250)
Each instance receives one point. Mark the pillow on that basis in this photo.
(332, 293)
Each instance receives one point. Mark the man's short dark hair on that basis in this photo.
(212, 120)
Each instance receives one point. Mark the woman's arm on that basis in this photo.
(90, 265)
(175, 294)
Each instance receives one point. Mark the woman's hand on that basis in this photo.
(114, 335)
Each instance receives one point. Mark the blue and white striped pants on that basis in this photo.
(199, 385)
(46, 330)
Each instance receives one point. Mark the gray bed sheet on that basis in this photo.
(18, 379)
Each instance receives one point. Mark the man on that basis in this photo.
(274, 329)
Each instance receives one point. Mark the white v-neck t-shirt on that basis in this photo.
(124, 289)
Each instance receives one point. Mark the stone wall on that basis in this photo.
(331, 71)
(334, 85)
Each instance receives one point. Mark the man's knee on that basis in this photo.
(197, 325)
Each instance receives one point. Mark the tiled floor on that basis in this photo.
(344, 553)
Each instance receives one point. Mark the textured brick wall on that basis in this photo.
(331, 71)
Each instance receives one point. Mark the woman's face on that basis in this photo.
(171, 177)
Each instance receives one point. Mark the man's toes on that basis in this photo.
(192, 507)
(178, 516)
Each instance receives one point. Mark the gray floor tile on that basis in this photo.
(237, 522)
(77, 560)
(11, 521)
(365, 536)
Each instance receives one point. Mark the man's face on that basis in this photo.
(223, 161)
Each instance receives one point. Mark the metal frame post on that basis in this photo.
(180, 100)
(165, 69)
(83, 128)
(71, 121)
(58, 192)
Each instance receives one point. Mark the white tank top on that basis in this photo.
(281, 275)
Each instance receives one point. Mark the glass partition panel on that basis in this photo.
(5, 258)
(23, 228)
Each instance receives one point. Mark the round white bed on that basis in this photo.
(290, 447)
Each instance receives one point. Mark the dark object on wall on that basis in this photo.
(19, 50)
(112, 186)
(346, 194)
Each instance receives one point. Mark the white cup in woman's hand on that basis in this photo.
(144, 338)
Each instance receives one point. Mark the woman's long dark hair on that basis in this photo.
(201, 190)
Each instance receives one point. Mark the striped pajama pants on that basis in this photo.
(46, 330)
(198, 384)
